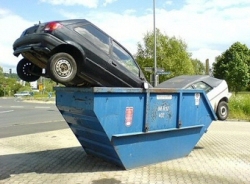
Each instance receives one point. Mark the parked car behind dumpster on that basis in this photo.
(22, 94)
(216, 89)
(75, 53)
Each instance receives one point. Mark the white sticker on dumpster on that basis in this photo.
(129, 116)
(164, 97)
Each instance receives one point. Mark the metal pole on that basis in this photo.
(155, 62)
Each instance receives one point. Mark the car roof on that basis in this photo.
(183, 81)
(73, 21)
(69, 21)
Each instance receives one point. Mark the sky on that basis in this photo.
(208, 27)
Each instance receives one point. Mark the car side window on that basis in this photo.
(202, 85)
(95, 36)
(190, 87)
(124, 58)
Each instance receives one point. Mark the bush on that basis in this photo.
(239, 106)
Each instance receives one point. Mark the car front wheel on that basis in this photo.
(26, 70)
(62, 68)
(222, 110)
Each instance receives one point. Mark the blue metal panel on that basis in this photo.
(162, 111)
(133, 127)
(111, 112)
(143, 149)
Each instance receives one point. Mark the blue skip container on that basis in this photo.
(133, 127)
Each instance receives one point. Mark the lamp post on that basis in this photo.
(155, 61)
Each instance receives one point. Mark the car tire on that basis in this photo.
(222, 111)
(26, 69)
(62, 68)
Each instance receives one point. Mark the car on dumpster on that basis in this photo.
(75, 53)
(216, 90)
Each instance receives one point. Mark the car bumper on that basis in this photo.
(21, 95)
(42, 42)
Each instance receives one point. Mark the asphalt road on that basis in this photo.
(222, 155)
(19, 117)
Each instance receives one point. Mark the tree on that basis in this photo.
(8, 83)
(1, 82)
(234, 66)
(237, 74)
(198, 66)
(172, 55)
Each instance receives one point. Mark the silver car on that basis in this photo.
(216, 90)
(22, 94)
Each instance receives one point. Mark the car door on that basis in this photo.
(96, 45)
(124, 65)
(207, 88)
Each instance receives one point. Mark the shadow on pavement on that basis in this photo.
(68, 160)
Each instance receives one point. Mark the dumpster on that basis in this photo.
(133, 127)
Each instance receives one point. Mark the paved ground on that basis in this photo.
(221, 156)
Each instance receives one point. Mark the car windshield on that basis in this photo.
(200, 85)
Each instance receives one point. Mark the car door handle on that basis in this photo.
(113, 63)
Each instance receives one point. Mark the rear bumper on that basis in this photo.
(32, 48)
(42, 42)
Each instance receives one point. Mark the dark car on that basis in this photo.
(75, 53)
(216, 90)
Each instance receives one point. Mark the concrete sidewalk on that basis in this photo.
(221, 156)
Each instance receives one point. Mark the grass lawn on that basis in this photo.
(239, 106)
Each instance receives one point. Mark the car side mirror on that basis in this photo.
(145, 85)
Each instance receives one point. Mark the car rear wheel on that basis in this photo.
(222, 110)
(62, 68)
(26, 70)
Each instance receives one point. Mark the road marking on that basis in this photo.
(33, 123)
(16, 106)
(40, 107)
(1, 112)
